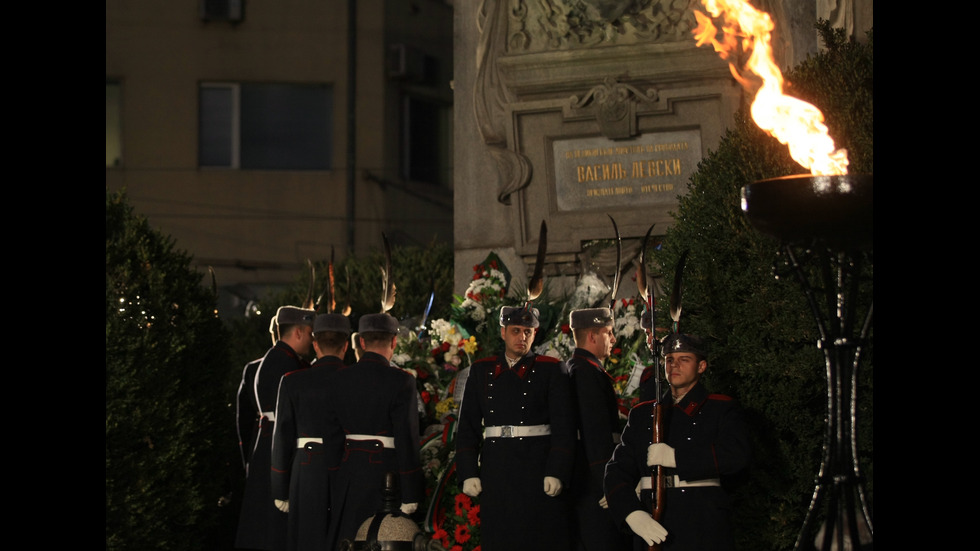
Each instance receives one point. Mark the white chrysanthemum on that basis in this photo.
(627, 325)
(559, 347)
(588, 290)
(500, 278)
(443, 330)
(401, 358)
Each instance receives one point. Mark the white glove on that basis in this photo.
(643, 525)
(282, 505)
(472, 487)
(409, 508)
(660, 454)
(603, 503)
(552, 486)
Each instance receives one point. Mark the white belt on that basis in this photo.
(302, 442)
(386, 441)
(516, 431)
(646, 483)
(270, 415)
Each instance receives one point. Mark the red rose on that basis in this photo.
(426, 397)
(565, 328)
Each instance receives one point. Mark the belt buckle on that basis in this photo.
(507, 431)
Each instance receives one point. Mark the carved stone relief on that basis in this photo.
(614, 106)
(547, 25)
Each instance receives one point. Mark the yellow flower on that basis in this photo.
(469, 345)
(445, 406)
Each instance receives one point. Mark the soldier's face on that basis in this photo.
(304, 340)
(517, 339)
(605, 339)
(683, 370)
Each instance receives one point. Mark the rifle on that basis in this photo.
(659, 487)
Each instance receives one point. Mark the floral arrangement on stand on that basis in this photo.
(440, 361)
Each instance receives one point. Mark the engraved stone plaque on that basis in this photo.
(651, 169)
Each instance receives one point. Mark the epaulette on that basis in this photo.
(542, 357)
(486, 359)
(720, 397)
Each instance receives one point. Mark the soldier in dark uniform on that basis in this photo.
(373, 405)
(705, 443)
(515, 441)
(261, 525)
(598, 429)
(300, 464)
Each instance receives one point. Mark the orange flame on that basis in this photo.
(792, 121)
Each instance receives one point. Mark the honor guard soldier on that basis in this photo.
(300, 462)
(261, 525)
(515, 441)
(598, 429)
(372, 404)
(705, 442)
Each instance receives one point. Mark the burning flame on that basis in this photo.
(792, 121)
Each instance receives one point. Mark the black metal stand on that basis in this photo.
(847, 524)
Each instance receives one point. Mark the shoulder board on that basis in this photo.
(293, 372)
(486, 359)
(543, 358)
(648, 402)
(720, 397)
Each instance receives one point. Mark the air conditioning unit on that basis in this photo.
(406, 63)
(222, 10)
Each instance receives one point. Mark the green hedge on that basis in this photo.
(167, 434)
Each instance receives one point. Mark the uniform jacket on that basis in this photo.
(261, 525)
(708, 435)
(301, 474)
(515, 512)
(247, 415)
(597, 418)
(372, 398)
(597, 421)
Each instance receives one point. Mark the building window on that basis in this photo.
(113, 123)
(426, 141)
(266, 126)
